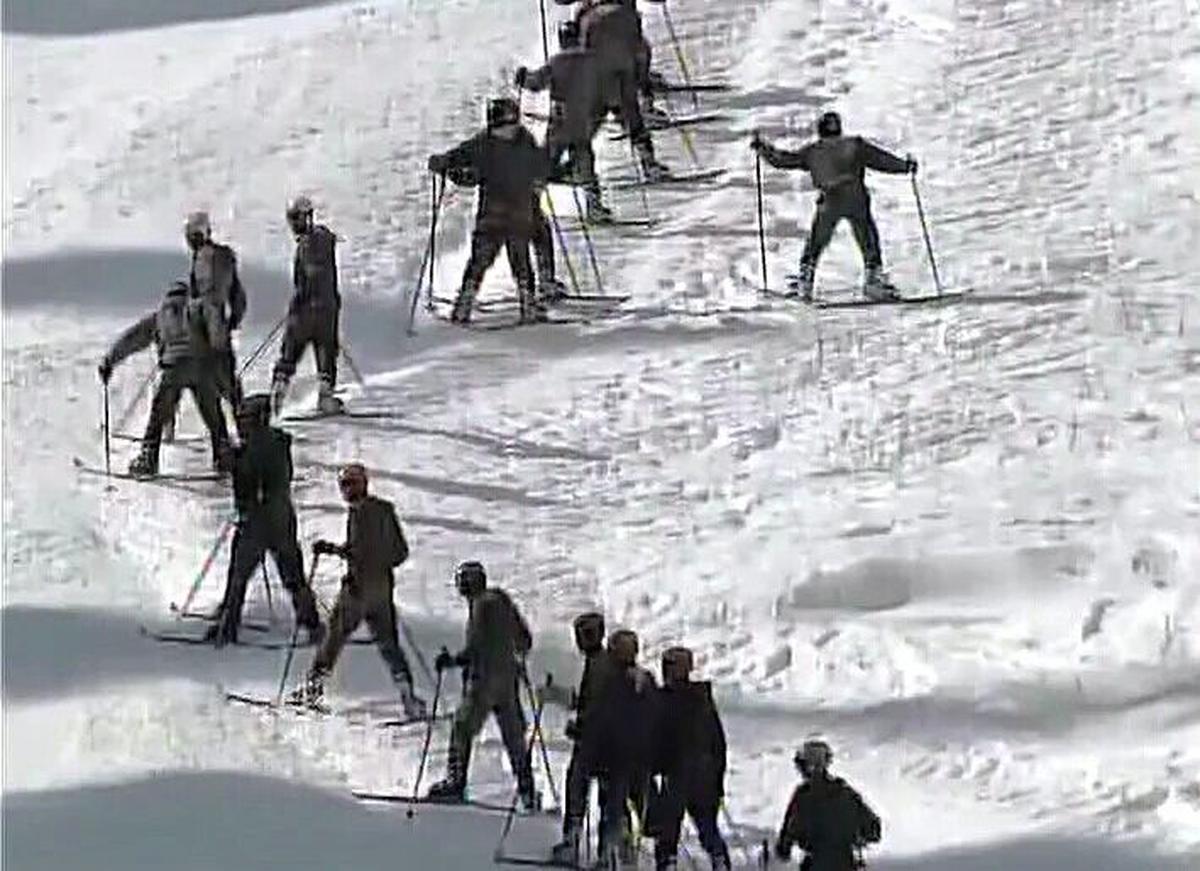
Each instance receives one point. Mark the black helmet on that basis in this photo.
(829, 124)
(255, 409)
(568, 34)
(623, 646)
(813, 758)
(589, 631)
(470, 578)
(677, 663)
(178, 287)
(503, 111)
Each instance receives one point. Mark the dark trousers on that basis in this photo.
(173, 380)
(582, 157)
(379, 612)
(486, 243)
(310, 325)
(675, 800)
(252, 541)
(543, 250)
(621, 92)
(855, 207)
(500, 698)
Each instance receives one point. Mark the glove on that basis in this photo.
(323, 547)
(438, 164)
(756, 142)
(912, 165)
(105, 369)
(783, 852)
(572, 729)
(521, 77)
(445, 659)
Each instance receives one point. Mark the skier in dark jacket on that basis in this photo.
(575, 112)
(616, 742)
(183, 359)
(510, 169)
(689, 754)
(589, 639)
(826, 818)
(374, 547)
(312, 316)
(838, 165)
(217, 291)
(262, 493)
(493, 666)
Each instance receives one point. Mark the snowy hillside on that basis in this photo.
(958, 542)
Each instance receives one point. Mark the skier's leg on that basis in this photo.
(510, 716)
(289, 562)
(295, 339)
(162, 407)
(866, 234)
(517, 248)
(485, 245)
(381, 620)
(543, 253)
(668, 822)
(246, 554)
(208, 402)
(468, 720)
(703, 811)
(824, 222)
(344, 619)
(326, 349)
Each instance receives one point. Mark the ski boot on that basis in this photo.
(279, 389)
(222, 461)
(461, 313)
(314, 634)
(414, 706)
(168, 430)
(566, 851)
(653, 115)
(551, 291)
(877, 286)
(219, 634)
(804, 282)
(721, 863)
(449, 790)
(145, 464)
(309, 694)
(597, 212)
(652, 169)
(327, 403)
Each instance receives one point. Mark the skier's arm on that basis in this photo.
(399, 546)
(523, 638)
(539, 79)
(237, 295)
(787, 831)
(461, 157)
(137, 338)
(881, 160)
(782, 159)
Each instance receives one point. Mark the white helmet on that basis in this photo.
(197, 224)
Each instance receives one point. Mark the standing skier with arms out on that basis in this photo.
(493, 666)
(689, 753)
(575, 112)
(184, 358)
(374, 547)
(838, 165)
(262, 493)
(510, 169)
(826, 817)
(312, 316)
(215, 286)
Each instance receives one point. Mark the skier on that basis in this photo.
(262, 492)
(493, 665)
(826, 818)
(589, 639)
(313, 312)
(612, 31)
(374, 546)
(183, 355)
(689, 750)
(617, 744)
(837, 165)
(511, 169)
(217, 290)
(575, 112)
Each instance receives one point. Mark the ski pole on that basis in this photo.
(587, 238)
(408, 639)
(762, 233)
(683, 66)
(538, 707)
(291, 650)
(436, 193)
(562, 244)
(537, 731)
(107, 436)
(437, 694)
(205, 566)
(353, 367)
(641, 178)
(937, 281)
(262, 346)
(545, 38)
(124, 418)
(437, 211)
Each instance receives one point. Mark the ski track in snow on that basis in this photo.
(959, 542)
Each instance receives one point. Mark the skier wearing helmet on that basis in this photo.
(510, 169)
(826, 817)
(492, 661)
(216, 289)
(262, 493)
(838, 164)
(313, 312)
(374, 546)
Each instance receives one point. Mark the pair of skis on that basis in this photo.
(323, 709)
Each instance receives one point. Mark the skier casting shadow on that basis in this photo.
(837, 165)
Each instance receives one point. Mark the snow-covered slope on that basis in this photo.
(959, 542)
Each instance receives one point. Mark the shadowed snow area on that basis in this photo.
(98, 16)
(957, 541)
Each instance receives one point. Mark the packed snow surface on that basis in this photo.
(959, 542)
